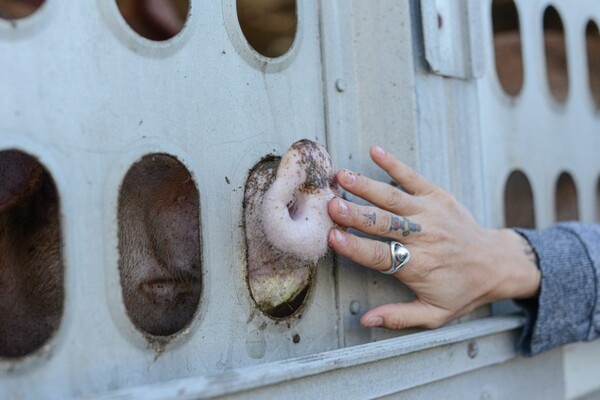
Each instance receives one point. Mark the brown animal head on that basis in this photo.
(31, 271)
(159, 243)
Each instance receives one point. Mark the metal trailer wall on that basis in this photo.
(88, 97)
(538, 135)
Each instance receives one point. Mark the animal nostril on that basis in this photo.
(287, 223)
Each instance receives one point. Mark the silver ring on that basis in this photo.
(400, 256)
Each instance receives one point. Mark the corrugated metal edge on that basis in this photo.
(261, 376)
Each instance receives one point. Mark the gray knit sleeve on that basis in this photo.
(568, 307)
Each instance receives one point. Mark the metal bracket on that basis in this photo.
(453, 35)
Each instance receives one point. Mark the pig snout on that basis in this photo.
(294, 208)
(286, 224)
(159, 243)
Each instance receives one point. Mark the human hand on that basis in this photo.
(456, 265)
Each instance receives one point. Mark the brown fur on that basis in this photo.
(159, 243)
(31, 270)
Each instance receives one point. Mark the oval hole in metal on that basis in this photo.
(598, 201)
(567, 208)
(156, 20)
(269, 25)
(592, 36)
(507, 46)
(160, 245)
(17, 9)
(278, 283)
(518, 201)
(556, 55)
(31, 262)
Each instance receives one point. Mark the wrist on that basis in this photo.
(515, 264)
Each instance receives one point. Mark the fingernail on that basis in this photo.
(339, 237)
(342, 208)
(374, 321)
(349, 177)
(379, 151)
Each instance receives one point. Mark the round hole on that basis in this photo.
(518, 202)
(17, 9)
(268, 25)
(593, 57)
(566, 198)
(31, 263)
(155, 19)
(507, 46)
(556, 55)
(160, 245)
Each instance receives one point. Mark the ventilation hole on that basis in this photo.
(31, 265)
(593, 56)
(518, 202)
(159, 245)
(598, 201)
(566, 199)
(556, 55)
(268, 25)
(507, 46)
(17, 9)
(279, 284)
(155, 19)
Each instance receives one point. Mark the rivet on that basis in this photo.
(341, 85)
(354, 307)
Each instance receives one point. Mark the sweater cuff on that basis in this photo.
(563, 311)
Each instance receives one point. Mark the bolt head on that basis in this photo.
(354, 307)
(341, 85)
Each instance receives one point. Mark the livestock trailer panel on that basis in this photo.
(89, 97)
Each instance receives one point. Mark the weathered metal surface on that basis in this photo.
(541, 137)
(383, 367)
(89, 98)
(452, 37)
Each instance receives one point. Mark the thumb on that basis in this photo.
(404, 315)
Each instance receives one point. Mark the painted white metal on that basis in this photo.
(89, 97)
(452, 37)
(384, 367)
(543, 138)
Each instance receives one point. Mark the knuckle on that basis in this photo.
(437, 235)
(381, 258)
(397, 322)
(353, 245)
(445, 197)
(361, 186)
(385, 222)
(393, 198)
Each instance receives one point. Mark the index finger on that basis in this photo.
(407, 177)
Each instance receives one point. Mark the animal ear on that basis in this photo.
(20, 175)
